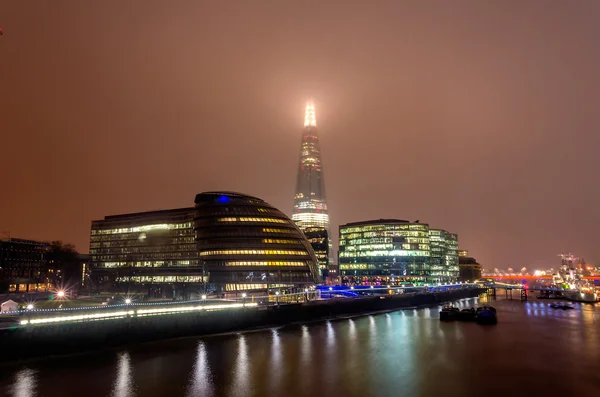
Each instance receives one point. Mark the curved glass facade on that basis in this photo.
(391, 251)
(246, 244)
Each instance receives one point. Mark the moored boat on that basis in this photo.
(486, 315)
(467, 314)
(561, 306)
(449, 313)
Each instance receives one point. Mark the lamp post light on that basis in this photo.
(127, 301)
(29, 309)
(244, 299)
(203, 297)
(277, 298)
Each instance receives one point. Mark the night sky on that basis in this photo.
(481, 118)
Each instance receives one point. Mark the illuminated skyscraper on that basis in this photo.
(310, 203)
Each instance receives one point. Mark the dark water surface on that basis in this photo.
(534, 350)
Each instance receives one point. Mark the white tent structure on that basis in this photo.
(9, 306)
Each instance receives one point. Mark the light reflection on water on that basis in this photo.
(240, 385)
(24, 383)
(276, 368)
(408, 352)
(124, 385)
(201, 380)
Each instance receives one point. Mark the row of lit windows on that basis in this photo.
(252, 252)
(184, 263)
(280, 241)
(136, 236)
(123, 257)
(358, 241)
(160, 279)
(247, 219)
(383, 253)
(396, 233)
(312, 204)
(364, 266)
(135, 250)
(246, 287)
(368, 247)
(140, 242)
(406, 226)
(144, 228)
(261, 263)
(283, 231)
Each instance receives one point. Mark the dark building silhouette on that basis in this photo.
(310, 201)
(23, 266)
(147, 252)
(469, 269)
(245, 244)
(319, 241)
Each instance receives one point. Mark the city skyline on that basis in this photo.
(489, 129)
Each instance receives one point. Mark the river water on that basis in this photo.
(534, 350)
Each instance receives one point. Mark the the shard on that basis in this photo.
(310, 202)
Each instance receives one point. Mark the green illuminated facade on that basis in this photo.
(391, 251)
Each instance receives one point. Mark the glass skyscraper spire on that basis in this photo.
(310, 202)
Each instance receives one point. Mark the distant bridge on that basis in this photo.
(530, 277)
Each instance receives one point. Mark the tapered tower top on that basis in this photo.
(309, 116)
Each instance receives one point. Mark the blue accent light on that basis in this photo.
(223, 199)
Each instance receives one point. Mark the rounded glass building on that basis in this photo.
(245, 244)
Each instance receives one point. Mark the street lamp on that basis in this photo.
(30, 307)
(244, 299)
(61, 294)
(127, 301)
(277, 297)
(203, 297)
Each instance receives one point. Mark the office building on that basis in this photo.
(148, 252)
(310, 201)
(392, 251)
(23, 266)
(469, 269)
(319, 241)
(444, 255)
(245, 244)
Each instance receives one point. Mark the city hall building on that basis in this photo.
(246, 244)
(392, 251)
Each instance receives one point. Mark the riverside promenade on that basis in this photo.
(28, 334)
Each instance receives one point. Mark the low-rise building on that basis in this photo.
(23, 266)
(469, 269)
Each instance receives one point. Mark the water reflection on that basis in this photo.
(331, 360)
(124, 386)
(201, 379)
(241, 376)
(406, 353)
(25, 384)
(276, 367)
(373, 341)
(351, 330)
